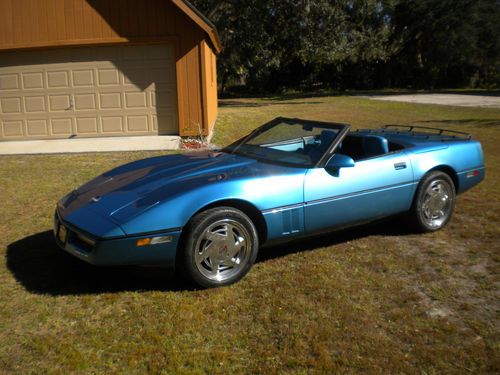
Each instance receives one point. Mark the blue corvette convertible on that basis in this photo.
(209, 212)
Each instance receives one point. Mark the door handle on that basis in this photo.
(398, 166)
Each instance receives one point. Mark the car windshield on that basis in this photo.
(292, 142)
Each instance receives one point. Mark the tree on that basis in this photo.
(443, 43)
(273, 44)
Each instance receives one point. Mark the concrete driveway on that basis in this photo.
(104, 144)
(445, 99)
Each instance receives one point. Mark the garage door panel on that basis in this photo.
(9, 82)
(59, 103)
(12, 129)
(108, 77)
(57, 79)
(112, 124)
(83, 78)
(135, 100)
(137, 124)
(154, 122)
(61, 126)
(91, 91)
(84, 102)
(167, 123)
(162, 76)
(111, 100)
(86, 125)
(10, 105)
(147, 50)
(36, 127)
(32, 80)
(137, 76)
(163, 99)
(34, 104)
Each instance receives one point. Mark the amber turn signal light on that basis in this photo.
(143, 242)
(153, 241)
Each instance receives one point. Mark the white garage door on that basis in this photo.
(88, 92)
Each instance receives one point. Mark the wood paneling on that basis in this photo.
(51, 23)
(209, 85)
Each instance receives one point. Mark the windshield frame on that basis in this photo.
(342, 130)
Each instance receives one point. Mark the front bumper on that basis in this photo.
(116, 251)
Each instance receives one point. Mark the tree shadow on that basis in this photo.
(243, 104)
(42, 268)
(494, 93)
(479, 123)
(392, 92)
(322, 93)
(243, 93)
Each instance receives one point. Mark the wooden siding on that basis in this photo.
(52, 23)
(209, 79)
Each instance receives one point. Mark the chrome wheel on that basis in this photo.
(222, 250)
(437, 203)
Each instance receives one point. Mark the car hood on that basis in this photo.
(130, 189)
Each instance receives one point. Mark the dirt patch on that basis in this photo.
(452, 284)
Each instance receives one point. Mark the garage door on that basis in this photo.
(88, 92)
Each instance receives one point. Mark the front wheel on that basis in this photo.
(434, 202)
(220, 247)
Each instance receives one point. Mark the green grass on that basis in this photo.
(375, 299)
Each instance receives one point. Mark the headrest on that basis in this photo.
(374, 145)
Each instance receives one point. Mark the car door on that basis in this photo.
(371, 189)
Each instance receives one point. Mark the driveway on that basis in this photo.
(459, 100)
(104, 144)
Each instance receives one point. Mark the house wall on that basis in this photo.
(209, 78)
(52, 23)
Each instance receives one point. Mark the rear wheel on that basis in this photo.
(434, 202)
(220, 247)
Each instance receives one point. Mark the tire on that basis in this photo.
(220, 247)
(434, 202)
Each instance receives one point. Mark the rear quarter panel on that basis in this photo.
(464, 157)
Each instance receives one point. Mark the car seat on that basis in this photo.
(374, 145)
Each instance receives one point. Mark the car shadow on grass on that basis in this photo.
(394, 226)
(42, 268)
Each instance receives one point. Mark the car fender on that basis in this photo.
(174, 212)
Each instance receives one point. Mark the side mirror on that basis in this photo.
(340, 161)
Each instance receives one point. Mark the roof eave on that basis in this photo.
(202, 21)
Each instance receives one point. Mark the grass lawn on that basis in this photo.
(375, 299)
